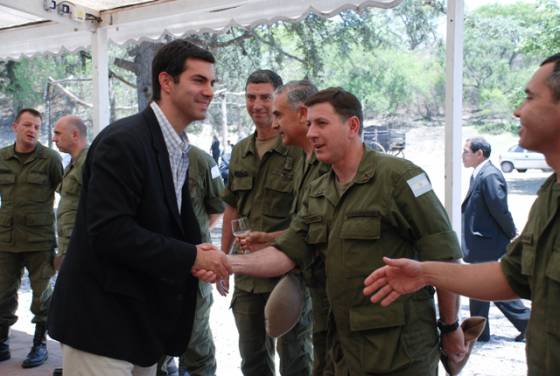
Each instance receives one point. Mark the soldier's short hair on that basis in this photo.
(553, 80)
(264, 76)
(31, 111)
(345, 103)
(297, 92)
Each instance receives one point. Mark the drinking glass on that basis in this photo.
(240, 227)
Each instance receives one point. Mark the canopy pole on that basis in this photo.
(100, 78)
(453, 111)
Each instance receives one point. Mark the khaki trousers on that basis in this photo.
(80, 363)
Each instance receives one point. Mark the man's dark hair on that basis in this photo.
(344, 103)
(172, 58)
(31, 111)
(264, 76)
(479, 143)
(553, 80)
(297, 92)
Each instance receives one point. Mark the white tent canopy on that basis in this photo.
(26, 28)
(31, 27)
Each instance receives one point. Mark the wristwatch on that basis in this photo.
(444, 328)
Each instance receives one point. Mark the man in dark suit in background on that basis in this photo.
(487, 228)
(125, 295)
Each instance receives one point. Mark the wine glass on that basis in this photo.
(240, 227)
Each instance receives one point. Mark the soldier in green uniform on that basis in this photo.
(261, 188)
(29, 175)
(290, 117)
(206, 186)
(370, 205)
(70, 136)
(531, 268)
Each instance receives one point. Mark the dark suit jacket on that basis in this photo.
(125, 289)
(487, 223)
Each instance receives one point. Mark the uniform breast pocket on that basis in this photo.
(527, 255)
(5, 228)
(553, 290)
(38, 187)
(71, 187)
(279, 195)
(359, 234)
(242, 183)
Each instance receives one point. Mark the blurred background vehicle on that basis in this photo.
(521, 159)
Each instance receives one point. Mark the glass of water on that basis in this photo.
(240, 227)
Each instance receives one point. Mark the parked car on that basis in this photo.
(521, 159)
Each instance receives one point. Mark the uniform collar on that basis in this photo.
(250, 147)
(10, 152)
(367, 166)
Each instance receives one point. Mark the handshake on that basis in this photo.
(211, 264)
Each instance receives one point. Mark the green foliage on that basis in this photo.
(393, 60)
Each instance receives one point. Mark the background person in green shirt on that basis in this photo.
(29, 175)
(290, 118)
(531, 267)
(370, 205)
(261, 188)
(70, 136)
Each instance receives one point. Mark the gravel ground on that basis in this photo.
(499, 357)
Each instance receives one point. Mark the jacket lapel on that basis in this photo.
(163, 162)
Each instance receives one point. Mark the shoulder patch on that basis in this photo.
(215, 172)
(419, 184)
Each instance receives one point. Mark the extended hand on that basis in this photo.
(209, 260)
(398, 277)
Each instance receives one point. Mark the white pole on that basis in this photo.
(100, 80)
(453, 111)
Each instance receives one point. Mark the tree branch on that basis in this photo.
(126, 64)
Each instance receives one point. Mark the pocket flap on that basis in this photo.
(374, 316)
(5, 220)
(553, 267)
(361, 227)
(36, 178)
(40, 219)
(243, 183)
(7, 178)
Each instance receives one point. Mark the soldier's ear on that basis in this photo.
(302, 114)
(354, 124)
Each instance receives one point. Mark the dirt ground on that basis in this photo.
(499, 357)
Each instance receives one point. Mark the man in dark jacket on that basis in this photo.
(488, 228)
(125, 295)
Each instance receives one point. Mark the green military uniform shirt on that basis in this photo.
(532, 269)
(69, 190)
(263, 191)
(389, 209)
(205, 186)
(27, 196)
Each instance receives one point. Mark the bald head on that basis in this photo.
(70, 135)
